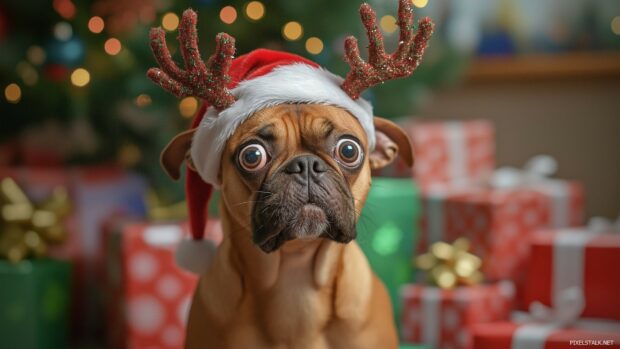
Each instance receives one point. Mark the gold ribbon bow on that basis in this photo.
(27, 229)
(450, 265)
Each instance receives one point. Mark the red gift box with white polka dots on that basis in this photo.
(447, 152)
(443, 319)
(452, 152)
(498, 222)
(147, 295)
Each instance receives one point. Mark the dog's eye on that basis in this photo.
(348, 152)
(252, 157)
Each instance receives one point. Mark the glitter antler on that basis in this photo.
(199, 80)
(381, 66)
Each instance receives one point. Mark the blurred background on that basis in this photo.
(77, 111)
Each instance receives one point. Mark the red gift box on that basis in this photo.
(498, 221)
(509, 335)
(452, 152)
(148, 295)
(578, 257)
(442, 318)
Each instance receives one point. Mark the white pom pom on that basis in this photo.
(195, 255)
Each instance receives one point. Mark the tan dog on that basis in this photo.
(291, 146)
(283, 277)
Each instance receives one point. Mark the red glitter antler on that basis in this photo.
(199, 80)
(381, 66)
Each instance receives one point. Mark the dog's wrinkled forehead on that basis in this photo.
(292, 129)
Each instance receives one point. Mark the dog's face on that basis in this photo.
(297, 172)
(302, 171)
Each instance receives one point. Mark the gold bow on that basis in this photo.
(27, 229)
(450, 265)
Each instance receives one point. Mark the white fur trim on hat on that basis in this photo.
(295, 83)
(195, 255)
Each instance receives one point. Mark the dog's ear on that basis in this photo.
(176, 152)
(390, 141)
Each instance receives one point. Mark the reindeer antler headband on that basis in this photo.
(236, 89)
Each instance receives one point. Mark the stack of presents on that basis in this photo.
(472, 257)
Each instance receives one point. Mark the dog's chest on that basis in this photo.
(294, 308)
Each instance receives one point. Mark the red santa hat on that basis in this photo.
(234, 90)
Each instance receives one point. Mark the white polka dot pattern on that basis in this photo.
(434, 144)
(146, 314)
(154, 299)
(142, 266)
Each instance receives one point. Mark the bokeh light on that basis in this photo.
(65, 8)
(27, 72)
(188, 107)
(419, 3)
(63, 31)
(255, 10)
(615, 25)
(228, 15)
(13, 93)
(170, 21)
(36, 55)
(112, 46)
(388, 24)
(314, 45)
(80, 77)
(96, 24)
(292, 31)
(143, 100)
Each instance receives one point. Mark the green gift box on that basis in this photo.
(387, 232)
(34, 304)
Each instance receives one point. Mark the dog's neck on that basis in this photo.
(263, 270)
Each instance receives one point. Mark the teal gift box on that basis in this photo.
(34, 304)
(387, 232)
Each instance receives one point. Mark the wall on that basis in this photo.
(576, 120)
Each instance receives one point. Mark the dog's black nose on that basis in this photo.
(306, 166)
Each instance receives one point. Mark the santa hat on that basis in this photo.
(258, 80)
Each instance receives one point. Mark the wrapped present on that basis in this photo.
(95, 193)
(148, 295)
(387, 232)
(566, 198)
(510, 335)
(588, 258)
(497, 223)
(499, 217)
(553, 328)
(454, 152)
(34, 304)
(442, 318)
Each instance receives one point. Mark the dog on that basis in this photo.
(291, 147)
(288, 273)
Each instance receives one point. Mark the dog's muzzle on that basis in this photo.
(304, 199)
